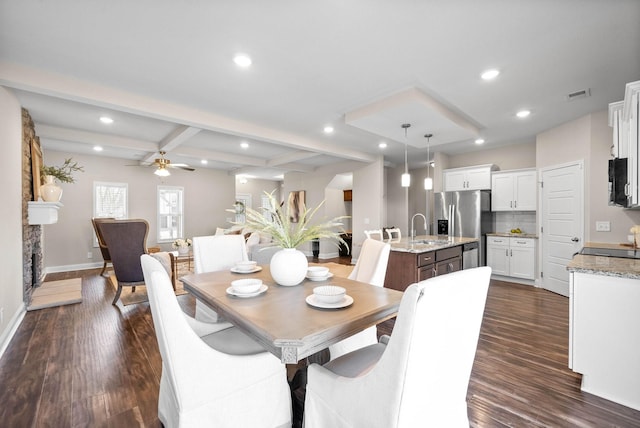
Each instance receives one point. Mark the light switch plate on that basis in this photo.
(603, 226)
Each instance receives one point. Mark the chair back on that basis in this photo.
(219, 252)
(433, 346)
(374, 234)
(127, 241)
(394, 234)
(103, 246)
(371, 266)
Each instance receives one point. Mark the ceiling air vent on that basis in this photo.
(578, 94)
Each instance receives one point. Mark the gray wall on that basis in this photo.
(11, 300)
(207, 194)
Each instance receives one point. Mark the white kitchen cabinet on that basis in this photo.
(468, 178)
(512, 256)
(630, 117)
(620, 128)
(514, 190)
(604, 312)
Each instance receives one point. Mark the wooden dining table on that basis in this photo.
(280, 318)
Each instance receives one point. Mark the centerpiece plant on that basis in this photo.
(289, 266)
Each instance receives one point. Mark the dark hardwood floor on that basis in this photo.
(96, 365)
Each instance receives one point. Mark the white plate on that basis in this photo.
(254, 270)
(261, 290)
(320, 278)
(313, 301)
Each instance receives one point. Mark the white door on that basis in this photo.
(562, 223)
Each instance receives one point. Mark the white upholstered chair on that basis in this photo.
(374, 234)
(211, 375)
(213, 253)
(420, 377)
(371, 268)
(394, 234)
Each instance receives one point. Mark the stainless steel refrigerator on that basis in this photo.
(464, 214)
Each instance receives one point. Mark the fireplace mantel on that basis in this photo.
(43, 212)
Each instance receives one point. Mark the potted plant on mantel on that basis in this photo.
(50, 191)
(289, 265)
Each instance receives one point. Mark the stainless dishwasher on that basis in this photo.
(470, 255)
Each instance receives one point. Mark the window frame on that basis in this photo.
(160, 230)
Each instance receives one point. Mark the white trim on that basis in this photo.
(11, 329)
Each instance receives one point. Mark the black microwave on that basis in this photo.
(618, 182)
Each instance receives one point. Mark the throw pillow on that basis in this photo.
(253, 239)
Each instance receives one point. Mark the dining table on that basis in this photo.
(284, 319)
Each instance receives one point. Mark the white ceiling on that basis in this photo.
(163, 71)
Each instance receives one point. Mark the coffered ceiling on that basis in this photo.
(164, 71)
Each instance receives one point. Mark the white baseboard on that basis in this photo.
(11, 329)
(67, 268)
(512, 279)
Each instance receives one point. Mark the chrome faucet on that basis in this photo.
(413, 230)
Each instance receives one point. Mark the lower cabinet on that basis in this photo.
(512, 256)
(405, 268)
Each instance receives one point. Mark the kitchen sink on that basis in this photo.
(430, 242)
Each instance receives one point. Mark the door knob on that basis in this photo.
(575, 239)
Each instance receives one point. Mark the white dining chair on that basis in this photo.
(374, 234)
(394, 234)
(211, 375)
(213, 253)
(371, 268)
(420, 377)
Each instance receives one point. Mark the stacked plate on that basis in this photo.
(329, 297)
(249, 287)
(247, 266)
(318, 273)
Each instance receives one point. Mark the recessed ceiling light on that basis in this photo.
(523, 113)
(242, 60)
(97, 148)
(244, 145)
(490, 74)
(328, 129)
(382, 145)
(106, 120)
(479, 141)
(204, 161)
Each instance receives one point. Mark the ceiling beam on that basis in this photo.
(73, 89)
(280, 160)
(86, 137)
(173, 140)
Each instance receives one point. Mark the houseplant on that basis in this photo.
(289, 265)
(50, 191)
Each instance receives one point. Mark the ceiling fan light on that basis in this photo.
(162, 172)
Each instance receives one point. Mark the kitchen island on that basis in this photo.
(416, 259)
(604, 324)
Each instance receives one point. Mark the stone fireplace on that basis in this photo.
(32, 255)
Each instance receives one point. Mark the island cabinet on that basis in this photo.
(406, 268)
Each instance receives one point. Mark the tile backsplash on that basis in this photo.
(525, 220)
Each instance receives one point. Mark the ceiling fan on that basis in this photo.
(163, 164)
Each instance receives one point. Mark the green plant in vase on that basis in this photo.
(50, 191)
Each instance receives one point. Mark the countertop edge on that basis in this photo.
(405, 246)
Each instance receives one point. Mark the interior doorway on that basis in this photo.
(562, 223)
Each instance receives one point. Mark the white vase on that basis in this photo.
(288, 266)
(183, 250)
(50, 191)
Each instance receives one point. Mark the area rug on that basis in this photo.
(56, 293)
(127, 297)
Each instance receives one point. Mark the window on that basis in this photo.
(109, 200)
(170, 213)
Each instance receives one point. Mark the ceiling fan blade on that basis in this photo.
(185, 167)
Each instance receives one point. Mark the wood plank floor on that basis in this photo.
(96, 365)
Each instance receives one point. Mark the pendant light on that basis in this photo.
(428, 182)
(406, 178)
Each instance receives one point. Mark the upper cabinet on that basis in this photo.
(468, 178)
(514, 190)
(623, 119)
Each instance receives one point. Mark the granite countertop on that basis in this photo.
(408, 245)
(607, 266)
(513, 235)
